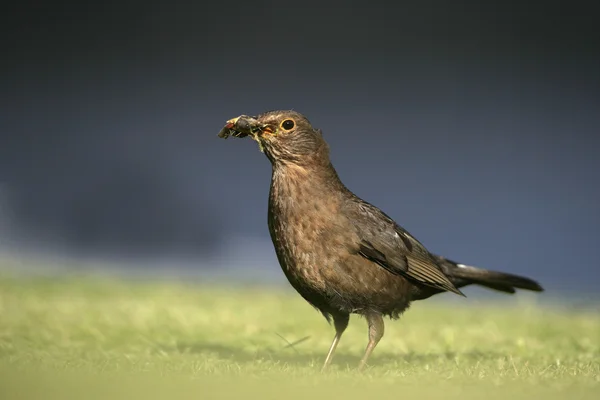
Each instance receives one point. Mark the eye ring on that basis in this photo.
(288, 124)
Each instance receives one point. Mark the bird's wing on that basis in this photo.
(393, 248)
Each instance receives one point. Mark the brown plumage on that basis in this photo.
(343, 255)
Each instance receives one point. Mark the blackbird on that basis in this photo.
(343, 255)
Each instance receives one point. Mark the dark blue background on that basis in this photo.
(475, 125)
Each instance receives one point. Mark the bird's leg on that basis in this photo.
(376, 328)
(340, 322)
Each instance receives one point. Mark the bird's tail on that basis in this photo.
(463, 275)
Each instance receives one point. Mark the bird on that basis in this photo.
(342, 254)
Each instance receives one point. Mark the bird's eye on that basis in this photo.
(287, 124)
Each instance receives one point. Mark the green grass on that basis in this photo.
(98, 338)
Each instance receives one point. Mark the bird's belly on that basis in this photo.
(348, 283)
(363, 286)
(304, 274)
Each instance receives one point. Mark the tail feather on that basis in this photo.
(463, 275)
(495, 280)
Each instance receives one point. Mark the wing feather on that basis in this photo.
(393, 248)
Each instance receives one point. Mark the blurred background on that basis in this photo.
(475, 125)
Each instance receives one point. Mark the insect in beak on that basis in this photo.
(243, 126)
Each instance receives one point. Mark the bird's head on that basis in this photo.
(284, 136)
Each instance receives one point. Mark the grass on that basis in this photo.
(101, 338)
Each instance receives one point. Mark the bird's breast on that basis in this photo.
(304, 223)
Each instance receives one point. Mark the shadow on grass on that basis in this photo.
(305, 358)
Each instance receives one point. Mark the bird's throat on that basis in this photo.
(299, 189)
